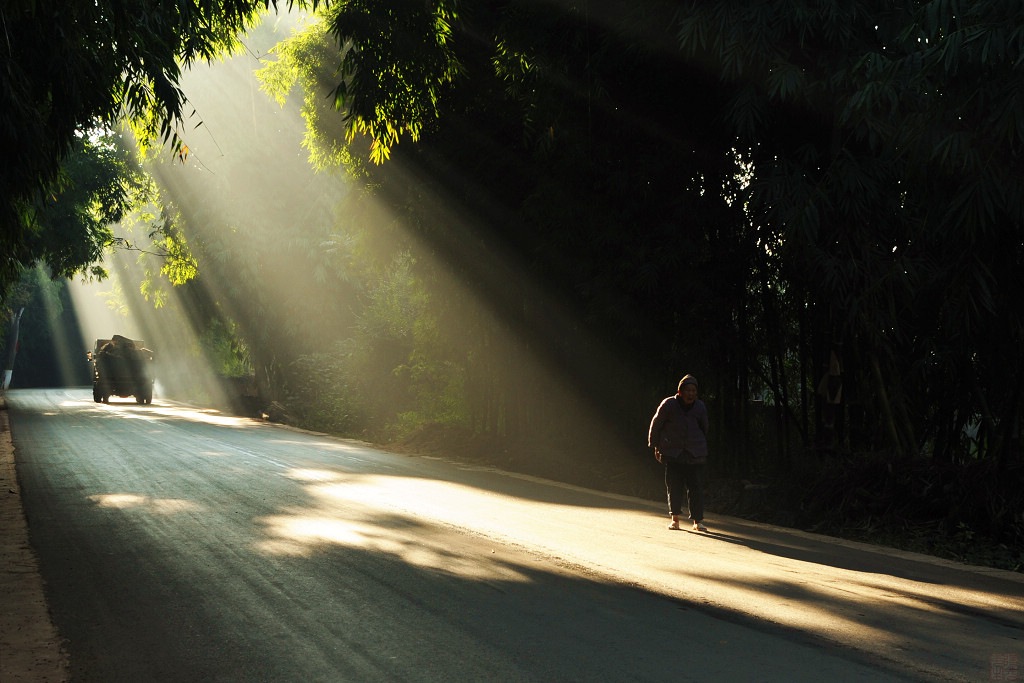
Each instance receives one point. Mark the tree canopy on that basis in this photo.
(71, 67)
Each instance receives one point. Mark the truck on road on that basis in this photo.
(122, 367)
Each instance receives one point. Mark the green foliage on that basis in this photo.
(309, 60)
(224, 350)
(73, 66)
(324, 398)
(36, 289)
(70, 228)
(180, 265)
(391, 375)
(397, 64)
(164, 254)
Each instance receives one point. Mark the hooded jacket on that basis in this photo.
(680, 433)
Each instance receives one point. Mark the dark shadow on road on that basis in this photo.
(822, 553)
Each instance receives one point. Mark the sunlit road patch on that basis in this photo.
(154, 505)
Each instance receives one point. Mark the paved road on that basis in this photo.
(181, 545)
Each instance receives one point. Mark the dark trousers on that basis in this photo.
(682, 478)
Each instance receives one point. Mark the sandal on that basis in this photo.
(674, 526)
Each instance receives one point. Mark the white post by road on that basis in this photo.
(12, 348)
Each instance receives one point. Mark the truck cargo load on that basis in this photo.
(122, 367)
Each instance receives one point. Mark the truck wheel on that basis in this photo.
(101, 391)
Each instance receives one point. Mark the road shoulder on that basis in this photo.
(29, 645)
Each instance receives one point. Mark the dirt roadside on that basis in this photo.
(29, 645)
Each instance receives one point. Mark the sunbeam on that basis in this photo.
(347, 303)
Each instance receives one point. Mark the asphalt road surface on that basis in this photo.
(179, 544)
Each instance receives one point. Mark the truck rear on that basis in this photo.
(122, 367)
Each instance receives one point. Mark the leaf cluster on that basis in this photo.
(72, 66)
(70, 228)
(397, 63)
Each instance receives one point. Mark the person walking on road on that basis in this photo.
(678, 435)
